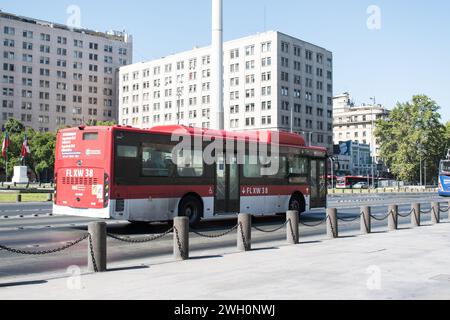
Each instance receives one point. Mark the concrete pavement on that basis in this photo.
(405, 264)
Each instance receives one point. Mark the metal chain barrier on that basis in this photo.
(350, 219)
(215, 236)
(179, 242)
(444, 210)
(274, 230)
(36, 253)
(244, 240)
(91, 251)
(407, 215)
(313, 225)
(382, 219)
(154, 238)
(426, 212)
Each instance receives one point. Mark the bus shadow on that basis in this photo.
(217, 225)
(127, 268)
(22, 283)
(205, 257)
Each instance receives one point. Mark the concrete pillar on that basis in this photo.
(393, 218)
(292, 232)
(435, 213)
(244, 234)
(181, 238)
(19, 198)
(415, 216)
(366, 224)
(448, 212)
(97, 230)
(332, 223)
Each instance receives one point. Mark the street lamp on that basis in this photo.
(372, 141)
(420, 163)
(332, 160)
(310, 133)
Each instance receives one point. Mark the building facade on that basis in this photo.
(352, 158)
(272, 81)
(54, 76)
(357, 123)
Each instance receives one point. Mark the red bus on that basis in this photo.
(347, 182)
(130, 174)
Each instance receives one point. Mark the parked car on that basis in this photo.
(361, 185)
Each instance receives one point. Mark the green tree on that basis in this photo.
(101, 123)
(14, 126)
(447, 134)
(412, 132)
(42, 148)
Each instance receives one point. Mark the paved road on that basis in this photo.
(38, 230)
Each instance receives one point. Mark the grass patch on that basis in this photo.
(30, 197)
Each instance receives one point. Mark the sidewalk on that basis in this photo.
(406, 264)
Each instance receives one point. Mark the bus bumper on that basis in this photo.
(84, 213)
(444, 193)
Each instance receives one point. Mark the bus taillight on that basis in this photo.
(106, 188)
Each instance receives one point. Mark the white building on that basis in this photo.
(356, 123)
(53, 75)
(353, 158)
(271, 81)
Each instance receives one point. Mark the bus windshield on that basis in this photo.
(445, 167)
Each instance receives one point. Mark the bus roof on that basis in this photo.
(284, 138)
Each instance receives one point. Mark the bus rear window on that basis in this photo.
(127, 151)
(90, 136)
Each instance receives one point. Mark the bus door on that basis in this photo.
(227, 196)
(318, 198)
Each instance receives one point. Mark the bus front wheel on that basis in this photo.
(191, 207)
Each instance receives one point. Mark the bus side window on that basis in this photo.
(298, 166)
(298, 170)
(156, 161)
(127, 151)
(191, 165)
(252, 167)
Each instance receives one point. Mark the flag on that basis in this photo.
(5, 144)
(25, 148)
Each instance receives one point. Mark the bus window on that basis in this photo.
(90, 136)
(298, 166)
(156, 160)
(191, 165)
(282, 167)
(252, 167)
(127, 151)
(298, 170)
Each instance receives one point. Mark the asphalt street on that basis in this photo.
(32, 227)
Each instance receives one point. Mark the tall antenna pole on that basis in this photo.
(217, 64)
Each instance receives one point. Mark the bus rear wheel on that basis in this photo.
(297, 203)
(191, 207)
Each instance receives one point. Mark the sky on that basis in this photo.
(405, 49)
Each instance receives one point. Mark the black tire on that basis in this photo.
(297, 203)
(192, 208)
